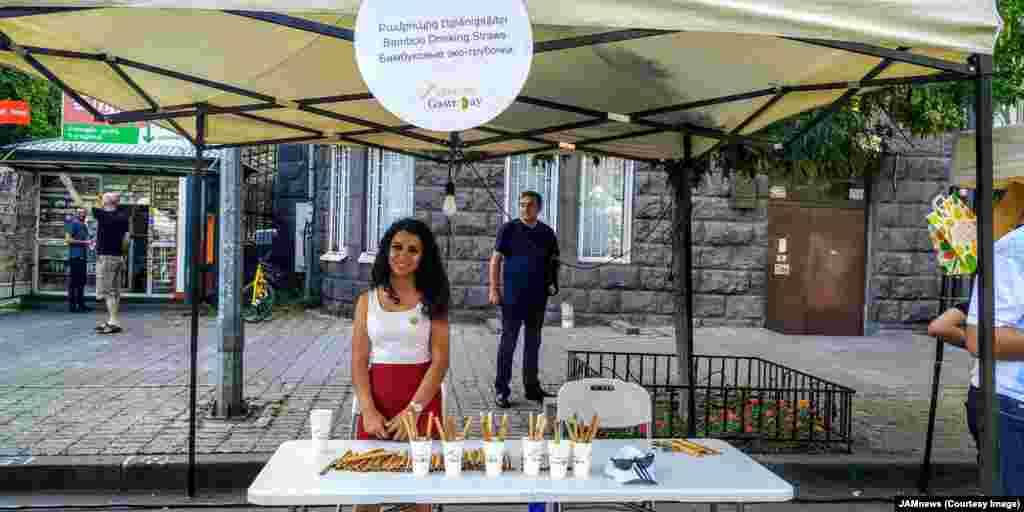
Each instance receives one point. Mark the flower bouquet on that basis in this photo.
(953, 229)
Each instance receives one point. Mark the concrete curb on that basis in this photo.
(137, 472)
(237, 471)
(860, 471)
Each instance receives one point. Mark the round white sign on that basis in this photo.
(444, 65)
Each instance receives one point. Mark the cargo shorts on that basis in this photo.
(109, 275)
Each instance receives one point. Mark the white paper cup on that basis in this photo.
(320, 428)
(533, 456)
(452, 458)
(421, 451)
(582, 456)
(558, 458)
(494, 458)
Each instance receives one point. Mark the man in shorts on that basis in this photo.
(112, 225)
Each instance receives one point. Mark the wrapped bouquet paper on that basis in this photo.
(954, 233)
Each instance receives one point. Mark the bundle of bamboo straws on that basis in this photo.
(446, 426)
(581, 433)
(687, 447)
(377, 459)
(408, 424)
(487, 428)
(578, 432)
(537, 426)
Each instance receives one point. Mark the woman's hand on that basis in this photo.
(395, 428)
(374, 424)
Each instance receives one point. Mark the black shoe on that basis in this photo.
(502, 402)
(538, 395)
(84, 309)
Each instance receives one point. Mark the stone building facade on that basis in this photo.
(729, 252)
(730, 257)
(18, 197)
(903, 274)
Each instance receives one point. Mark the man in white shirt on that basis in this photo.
(1008, 347)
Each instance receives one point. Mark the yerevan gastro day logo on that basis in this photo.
(449, 99)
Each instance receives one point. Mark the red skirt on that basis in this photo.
(392, 387)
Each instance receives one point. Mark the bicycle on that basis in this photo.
(259, 295)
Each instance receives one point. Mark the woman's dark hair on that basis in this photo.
(431, 279)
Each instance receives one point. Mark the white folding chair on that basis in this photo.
(352, 435)
(618, 404)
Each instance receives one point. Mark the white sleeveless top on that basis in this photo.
(401, 337)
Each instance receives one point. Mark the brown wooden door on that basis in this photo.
(823, 292)
(787, 300)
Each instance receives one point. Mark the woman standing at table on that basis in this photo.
(400, 334)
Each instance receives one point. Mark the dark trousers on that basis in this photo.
(1011, 445)
(513, 317)
(972, 405)
(76, 282)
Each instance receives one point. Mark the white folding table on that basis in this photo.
(292, 478)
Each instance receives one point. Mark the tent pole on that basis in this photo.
(991, 483)
(195, 256)
(926, 465)
(682, 274)
(687, 213)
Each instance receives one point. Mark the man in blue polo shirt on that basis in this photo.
(525, 258)
(76, 235)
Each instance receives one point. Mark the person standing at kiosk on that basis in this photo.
(76, 235)
(111, 244)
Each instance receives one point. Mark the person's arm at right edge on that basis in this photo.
(1009, 343)
(947, 327)
(1008, 310)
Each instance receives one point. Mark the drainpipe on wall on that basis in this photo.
(312, 245)
(871, 327)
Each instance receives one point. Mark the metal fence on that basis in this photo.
(736, 398)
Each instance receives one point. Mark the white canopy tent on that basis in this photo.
(708, 68)
(639, 79)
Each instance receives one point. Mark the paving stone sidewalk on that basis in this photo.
(65, 390)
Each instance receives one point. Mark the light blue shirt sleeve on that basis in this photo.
(1008, 281)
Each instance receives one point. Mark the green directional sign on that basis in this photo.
(84, 132)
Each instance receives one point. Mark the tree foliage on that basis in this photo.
(44, 100)
(851, 141)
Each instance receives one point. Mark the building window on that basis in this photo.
(337, 213)
(523, 173)
(1008, 115)
(606, 209)
(391, 180)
